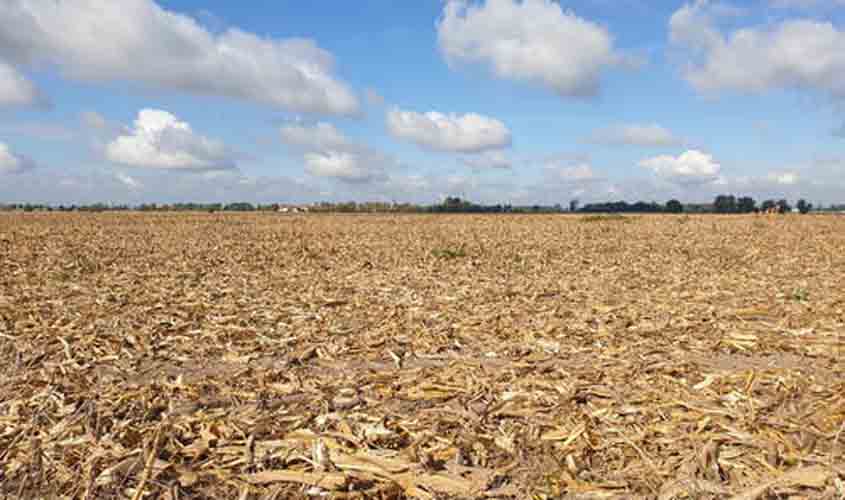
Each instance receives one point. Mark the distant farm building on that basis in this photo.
(292, 209)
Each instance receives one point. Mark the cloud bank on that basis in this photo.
(159, 139)
(434, 131)
(690, 168)
(138, 41)
(327, 152)
(794, 53)
(534, 41)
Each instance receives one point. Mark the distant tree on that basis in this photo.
(455, 204)
(746, 205)
(239, 207)
(725, 204)
(803, 206)
(453, 201)
(623, 207)
(768, 204)
(783, 206)
(573, 205)
(674, 206)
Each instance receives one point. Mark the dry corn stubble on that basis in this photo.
(261, 356)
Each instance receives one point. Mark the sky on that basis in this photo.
(496, 101)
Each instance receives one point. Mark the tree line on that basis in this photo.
(143, 207)
(722, 204)
(729, 204)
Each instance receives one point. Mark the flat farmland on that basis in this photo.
(264, 356)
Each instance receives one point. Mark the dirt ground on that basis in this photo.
(264, 356)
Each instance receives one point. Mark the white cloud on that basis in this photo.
(12, 163)
(409, 184)
(349, 167)
(493, 159)
(528, 40)
(577, 173)
(807, 182)
(128, 181)
(690, 168)
(581, 172)
(319, 137)
(140, 42)
(636, 135)
(156, 186)
(784, 178)
(15, 89)
(468, 133)
(159, 140)
(790, 54)
(327, 152)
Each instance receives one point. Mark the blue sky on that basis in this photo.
(516, 101)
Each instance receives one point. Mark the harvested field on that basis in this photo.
(261, 356)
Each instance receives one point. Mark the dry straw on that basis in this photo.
(263, 356)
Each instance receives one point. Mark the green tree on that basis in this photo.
(674, 206)
(803, 206)
(746, 205)
(239, 207)
(783, 206)
(725, 204)
(766, 205)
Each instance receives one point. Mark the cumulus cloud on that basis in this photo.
(690, 168)
(468, 133)
(349, 167)
(652, 135)
(327, 152)
(138, 41)
(493, 159)
(528, 40)
(159, 139)
(796, 53)
(13, 163)
(17, 90)
(692, 26)
(569, 169)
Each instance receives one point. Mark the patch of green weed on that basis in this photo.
(449, 253)
(605, 218)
